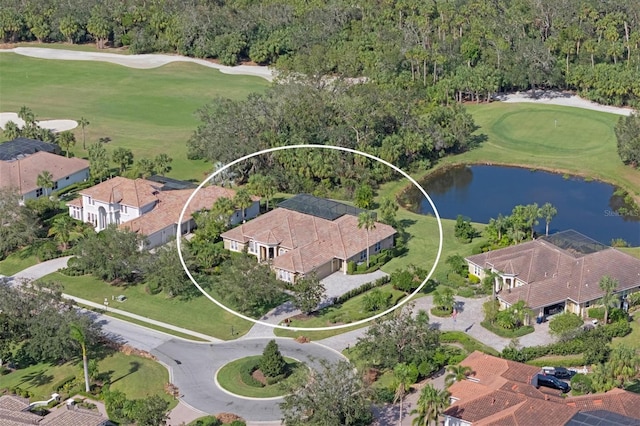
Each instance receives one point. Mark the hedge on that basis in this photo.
(439, 312)
(510, 334)
(246, 371)
(60, 384)
(596, 313)
(569, 361)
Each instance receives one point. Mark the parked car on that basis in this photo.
(550, 382)
(559, 372)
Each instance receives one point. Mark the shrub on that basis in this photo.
(384, 395)
(60, 384)
(474, 279)
(362, 268)
(376, 300)
(510, 334)
(581, 384)
(596, 313)
(617, 329)
(351, 267)
(246, 372)
(455, 280)
(565, 323)
(438, 311)
(466, 292)
(617, 314)
(634, 299)
(363, 288)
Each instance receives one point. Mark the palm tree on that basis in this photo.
(83, 122)
(404, 378)
(431, 403)
(501, 224)
(66, 140)
(547, 211)
(11, 130)
(457, 373)
(78, 334)
(45, 181)
(243, 200)
(366, 221)
(262, 186)
(27, 115)
(609, 299)
(65, 229)
(163, 164)
(223, 208)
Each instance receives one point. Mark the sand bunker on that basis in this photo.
(55, 126)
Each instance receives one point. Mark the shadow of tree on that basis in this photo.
(37, 378)
(135, 366)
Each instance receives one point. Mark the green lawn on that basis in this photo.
(17, 261)
(349, 311)
(230, 378)
(632, 339)
(87, 47)
(150, 111)
(583, 142)
(198, 314)
(633, 251)
(133, 375)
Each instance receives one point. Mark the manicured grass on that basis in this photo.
(558, 361)
(133, 375)
(468, 343)
(633, 251)
(87, 47)
(349, 311)
(230, 378)
(423, 244)
(632, 339)
(583, 142)
(16, 262)
(151, 326)
(198, 314)
(150, 111)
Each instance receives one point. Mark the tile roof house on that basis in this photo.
(22, 173)
(498, 393)
(321, 241)
(14, 411)
(560, 272)
(145, 207)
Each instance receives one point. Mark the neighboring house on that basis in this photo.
(558, 272)
(18, 148)
(22, 173)
(308, 234)
(148, 207)
(14, 411)
(498, 392)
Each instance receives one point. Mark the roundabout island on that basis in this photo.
(194, 366)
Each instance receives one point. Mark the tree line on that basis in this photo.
(395, 124)
(462, 49)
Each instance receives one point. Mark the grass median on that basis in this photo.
(197, 314)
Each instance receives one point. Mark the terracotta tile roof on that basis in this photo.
(75, 417)
(616, 400)
(488, 398)
(135, 193)
(553, 274)
(12, 414)
(532, 413)
(23, 173)
(311, 240)
(169, 205)
(485, 405)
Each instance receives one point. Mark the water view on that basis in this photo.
(482, 192)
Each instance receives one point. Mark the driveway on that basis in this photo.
(194, 366)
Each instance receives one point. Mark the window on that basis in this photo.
(476, 270)
(39, 192)
(284, 275)
(90, 201)
(377, 247)
(252, 247)
(124, 209)
(55, 186)
(233, 245)
(363, 255)
(67, 178)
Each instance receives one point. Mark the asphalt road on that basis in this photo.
(194, 366)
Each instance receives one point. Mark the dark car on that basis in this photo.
(550, 382)
(559, 372)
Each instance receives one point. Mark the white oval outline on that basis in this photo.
(334, 327)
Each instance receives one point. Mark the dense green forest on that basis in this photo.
(457, 49)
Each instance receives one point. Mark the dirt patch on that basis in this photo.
(228, 417)
(259, 376)
(302, 339)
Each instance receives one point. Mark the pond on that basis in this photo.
(481, 192)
